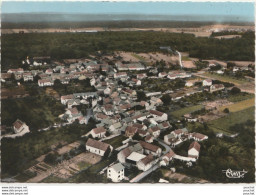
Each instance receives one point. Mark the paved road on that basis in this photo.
(167, 148)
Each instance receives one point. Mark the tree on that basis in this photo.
(235, 90)
(166, 99)
(141, 95)
(226, 110)
(51, 158)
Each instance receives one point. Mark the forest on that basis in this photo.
(16, 47)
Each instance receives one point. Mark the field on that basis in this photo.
(116, 141)
(225, 78)
(240, 97)
(223, 124)
(186, 110)
(240, 105)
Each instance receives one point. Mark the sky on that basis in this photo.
(241, 9)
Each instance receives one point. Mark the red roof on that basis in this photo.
(198, 135)
(148, 146)
(155, 112)
(17, 124)
(195, 145)
(149, 158)
(170, 154)
(99, 130)
(97, 144)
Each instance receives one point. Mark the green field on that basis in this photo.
(116, 141)
(179, 113)
(240, 97)
(225, 78)
(83, 165)
(223, 124)
(239, 105)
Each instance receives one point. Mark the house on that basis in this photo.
(116, 172)
(134, 158)
(97, 147)
(130, 131)
(179, 132)
(64, 99)
(142, 133)
(151, 149)
(166, 125)
(220, 72)
(120, 75)
(27, 76)
(149, 139)
(146, 163)
(189, 83)
(198, 136)
(49, 71)
(158, 116)
(141, 76)
(194, 150)
(155, 131)
(18, 70)
(123, 154)
(167, 158)
(207, 82)
(19, 126)
(162, 74)
(99, 132)
(216, 87)
(156, 101)
(45, 82)
(190, 118)
(168, 139)
(115, 127)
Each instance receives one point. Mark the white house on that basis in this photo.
(115, 127)
(19, 126)
(45, 82)
(194, 150)
(159, 116)
(150, 148)
(167, 158)
(123, 154)
(216, 87)
(116, 172)
(207, 82)
(98, 132)
(198, 136)
(97, 147)
(64, 99)
(146, 163)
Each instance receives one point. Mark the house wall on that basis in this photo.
(115, 176)
(22, 128)
(193, 152)
(95, 150)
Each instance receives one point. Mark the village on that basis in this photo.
(142, 113)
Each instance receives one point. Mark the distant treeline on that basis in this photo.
(111, 24)
(222, 33)
(15, 47)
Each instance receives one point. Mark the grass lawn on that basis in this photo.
(239, 105)
(185, 58)
(223, 124)
(116, 141)
(240, 97)
(186, 110)
(225, 78)
(53, 179)
(83, 165)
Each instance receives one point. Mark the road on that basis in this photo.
(181, 65)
